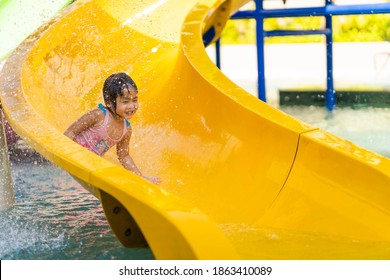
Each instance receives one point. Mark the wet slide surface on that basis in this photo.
(241, 180)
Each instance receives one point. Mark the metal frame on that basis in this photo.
(328, 10)
(7, 198)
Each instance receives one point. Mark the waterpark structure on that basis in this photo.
(241, 180)
(328, 10)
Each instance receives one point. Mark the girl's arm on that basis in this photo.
(87, 120)
(122, 149)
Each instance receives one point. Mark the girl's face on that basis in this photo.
(127, 104)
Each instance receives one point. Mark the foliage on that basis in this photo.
(356, 28)
(366, 28)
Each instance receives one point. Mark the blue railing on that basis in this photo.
(328, 10)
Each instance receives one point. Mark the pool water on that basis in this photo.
(367, 127)
(55, 218)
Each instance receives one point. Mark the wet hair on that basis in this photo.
(114, 86)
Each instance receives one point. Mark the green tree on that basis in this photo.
(356, 28)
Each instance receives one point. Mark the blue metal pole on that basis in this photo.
(218, 53)
(260, 51)
(295, 32)
(277, 13)
(369, 9)
(330, 95)
(329, 9)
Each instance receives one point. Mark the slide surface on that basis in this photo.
(241, 180)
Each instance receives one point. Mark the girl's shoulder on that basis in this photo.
(95, 116)
(97, 112)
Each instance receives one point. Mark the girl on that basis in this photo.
(104, 127)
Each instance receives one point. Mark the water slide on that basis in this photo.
(241, 180)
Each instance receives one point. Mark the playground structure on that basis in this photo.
(327, 11)
(241, 180)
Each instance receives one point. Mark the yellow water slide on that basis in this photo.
(240, 179)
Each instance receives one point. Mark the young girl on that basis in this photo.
(104, 127)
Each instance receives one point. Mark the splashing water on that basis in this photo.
(55, 218)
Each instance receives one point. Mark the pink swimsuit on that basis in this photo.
(96, 139)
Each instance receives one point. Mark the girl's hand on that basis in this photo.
(154, 180)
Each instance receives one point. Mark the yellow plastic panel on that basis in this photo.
(173, 229)
(241, 180)
(337, 191)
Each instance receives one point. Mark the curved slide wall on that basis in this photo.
(241, 180)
